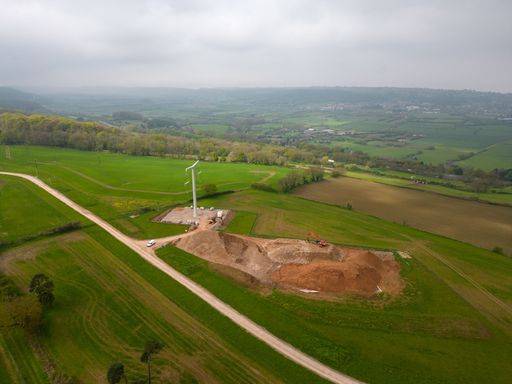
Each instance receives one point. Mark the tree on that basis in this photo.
(316, 174)
(210, 189)
(498, 250)
(479, 186)
(291, 181)
(152, 348)
(116, 373)
(42, 286)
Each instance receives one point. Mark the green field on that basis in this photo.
(380, 150)
(117, 187)
(496, 156)
(40, 214)
(289, 216)
(444, 138)
(440, 153)
(453, 323)
(212, 129)
(447, 328)
(109, 301)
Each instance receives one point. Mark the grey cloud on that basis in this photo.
(441, 44)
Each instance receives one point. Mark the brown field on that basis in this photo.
(477, 223)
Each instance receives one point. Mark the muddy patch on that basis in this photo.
(299, 265)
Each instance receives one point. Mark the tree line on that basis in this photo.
(297, 178)
(17, 128)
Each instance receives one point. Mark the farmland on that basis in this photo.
(451, 325)
(501, 196)
(438, 332)
(109, 302)
(289, 216)
(477, 223)
(128, 190)
(496, 156)
(21, 221)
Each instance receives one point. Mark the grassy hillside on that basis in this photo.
(109, 301)
(118, 187)
(39, 214)
(452, 324)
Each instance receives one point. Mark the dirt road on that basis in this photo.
(244, 322)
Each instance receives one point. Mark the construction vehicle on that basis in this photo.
(313, 237)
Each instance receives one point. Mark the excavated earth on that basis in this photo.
(298, 264)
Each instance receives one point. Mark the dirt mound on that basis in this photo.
(329, 276)
(299, 251)
(358, 273)
(227, 249)
(298, 264)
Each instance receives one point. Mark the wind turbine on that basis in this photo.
(192, 168)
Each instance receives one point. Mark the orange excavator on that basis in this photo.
(313, 237)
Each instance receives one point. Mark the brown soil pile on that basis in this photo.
(231, 250)
(298, 264)
(359, 272)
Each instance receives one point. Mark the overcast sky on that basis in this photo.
(201, 43)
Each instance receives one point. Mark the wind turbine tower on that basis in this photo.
(192, 170)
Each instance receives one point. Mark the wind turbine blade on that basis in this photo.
(192, 166)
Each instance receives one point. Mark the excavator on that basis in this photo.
(313, 237)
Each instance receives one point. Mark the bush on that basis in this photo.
(314, 174)
(335, 173)
(63, 229)
(210, 189)
(498, 250)
(262, 187)
(8, 290)
(291, 181)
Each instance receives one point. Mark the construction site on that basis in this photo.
(298, 265)
(310, 266)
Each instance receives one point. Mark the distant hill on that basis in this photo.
(161, 101)
(12, 99)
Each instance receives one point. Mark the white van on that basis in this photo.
(151, 243)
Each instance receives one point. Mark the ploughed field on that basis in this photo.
(477, 223)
